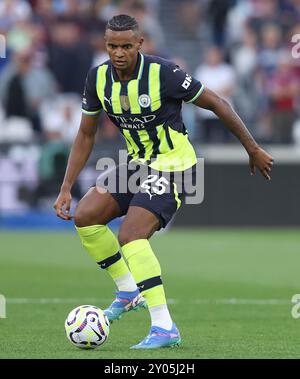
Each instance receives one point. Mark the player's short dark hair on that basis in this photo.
(122, 22)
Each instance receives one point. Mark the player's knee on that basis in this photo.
(123, 238)
(82, 217)
(128, 235)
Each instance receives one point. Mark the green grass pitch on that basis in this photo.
(202, 270)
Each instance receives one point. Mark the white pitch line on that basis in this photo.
(234, 301)
(55, 300)
(95, 300)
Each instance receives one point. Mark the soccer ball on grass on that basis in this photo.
(87, 327)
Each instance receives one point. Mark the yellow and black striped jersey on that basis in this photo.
(146, 109)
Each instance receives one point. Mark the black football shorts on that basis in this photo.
(139, 185)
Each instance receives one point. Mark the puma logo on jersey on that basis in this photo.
(150, 194)
(108, 100)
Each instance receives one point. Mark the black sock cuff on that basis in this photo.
(149, 283)
(110, 260)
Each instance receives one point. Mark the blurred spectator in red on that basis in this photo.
(295, 31)
(268, 57)
(219, 77)
(283, 88)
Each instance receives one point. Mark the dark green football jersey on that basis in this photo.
(146, 109)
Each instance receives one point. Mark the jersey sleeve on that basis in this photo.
(91, 104)
(180, 85)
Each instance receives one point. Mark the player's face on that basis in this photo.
(122, 48)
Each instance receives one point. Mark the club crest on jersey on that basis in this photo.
(124, 100)
(144, 101)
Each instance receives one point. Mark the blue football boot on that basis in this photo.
(125, 301)
(159, 337)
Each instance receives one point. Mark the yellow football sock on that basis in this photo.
(103, 247)
(146, 271)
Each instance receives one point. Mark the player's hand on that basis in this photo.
(263, 161)
(62, 205)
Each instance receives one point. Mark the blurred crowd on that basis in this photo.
(241, 49)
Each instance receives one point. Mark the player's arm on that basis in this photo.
(258, 158)
(79, 154)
